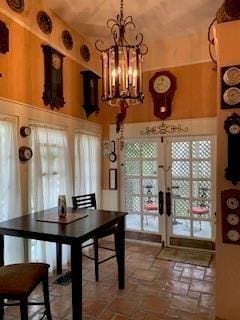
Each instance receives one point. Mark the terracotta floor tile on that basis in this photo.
(176, 287)
(193, 273)
(93, 307)
(142, 274)
(155, 305)
(124, 306)
(184, 304)
(207, 301)
(202, 286)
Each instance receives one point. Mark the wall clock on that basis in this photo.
(112, 155)
(85, 52)
(44, 22)
(67, 39)
(25, 153)
(53, 74)
(162, 87)
(90, 92)
(4, 38)
(25, 131)
(230, 87)
(232, 127)
(230, 200)
(16, 5)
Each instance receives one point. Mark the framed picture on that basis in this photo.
(112, 179)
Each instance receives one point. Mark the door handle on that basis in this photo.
(168, 204)
(160, 203)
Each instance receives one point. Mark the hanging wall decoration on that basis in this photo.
(4, 38)
(232, 127)
(85, 52)
(67, 39)
(53, 69)
(90, 92)
(162, 87)
(44, 22)
(230, 85)
(16, 5)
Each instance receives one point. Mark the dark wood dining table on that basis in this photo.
(73, 234)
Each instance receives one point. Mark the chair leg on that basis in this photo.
(96, 259)
(24, 308)
(1, 308)
(59, 257)
(46, 298)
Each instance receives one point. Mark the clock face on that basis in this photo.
(232, 76)
(233, 219)
(232, 203)
(162, 84)
(234, 129)
(56, 61)
(232, 96)
(233, 235)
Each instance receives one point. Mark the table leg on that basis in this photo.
(59, 257)
(1, 250)
(76, 272)
(120, 251)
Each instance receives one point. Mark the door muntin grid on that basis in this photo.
(192, 188)
(141, 186)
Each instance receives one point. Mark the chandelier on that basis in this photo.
(122, 65)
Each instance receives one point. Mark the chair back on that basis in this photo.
(84, 201)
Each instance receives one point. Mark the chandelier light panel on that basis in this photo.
(122, 63)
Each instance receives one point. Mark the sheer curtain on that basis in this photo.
(50, 176)
(10, 199)
(87, 165)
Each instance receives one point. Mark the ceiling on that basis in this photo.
(156, 19)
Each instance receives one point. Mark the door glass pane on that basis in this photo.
(201, 189)
(133, 204)
(133, 168)
(180, 150)
(133, 186)
(149, 168)
(181, 227)
(181, 188)
(180, 169)
(132, 150)
(150, 187)
(133, 221)
(201, 149)
(202, 229)
(180, 208)
(150, 223)
(149, 150)
(201, 169)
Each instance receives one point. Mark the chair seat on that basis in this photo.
(20, 279)
(200, 210)
(150, 206)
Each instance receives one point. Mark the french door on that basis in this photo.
(169, 188)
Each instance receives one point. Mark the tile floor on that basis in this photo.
(155, 290)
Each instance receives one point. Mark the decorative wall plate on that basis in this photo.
(85, 52)
(16, 5)
(44, 22)
(232, 96)
(67, 39)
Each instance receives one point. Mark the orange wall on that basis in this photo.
(195, 96)
(23, 72)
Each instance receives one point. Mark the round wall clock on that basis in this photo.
(25, 131)
(232, 96)
(233, 219)
(25, 153)
(67, 39)
(232, 203)
(112, 155)
(233, 235)
(162, 87)
(232, 76)
(44, 22)
(85, 52)
(16, 5)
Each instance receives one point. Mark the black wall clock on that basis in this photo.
(232, 127)
(16, 5)
(112, 155)
(85, 52)
(4, 38)
(25, 153)
(53, 70)
(90, 92)
(25, 131)
(230, 87)
(67, 39)
(44, 22)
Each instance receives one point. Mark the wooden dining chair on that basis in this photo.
(89, 201)
(17, 282)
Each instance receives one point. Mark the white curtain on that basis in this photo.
(49, 177)
(87, 165)
(10, 199)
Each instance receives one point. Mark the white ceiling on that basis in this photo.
(156, 19)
